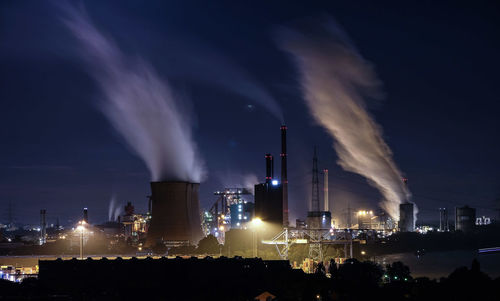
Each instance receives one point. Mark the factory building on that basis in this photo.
(175, 217)
(366, 220)
(319, 220)
(241, 213)
(135, 226)
(269, 197)
(209, 223)
(406, 217)
(465, 218)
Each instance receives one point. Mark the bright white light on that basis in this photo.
(256, 222)
(274, 182)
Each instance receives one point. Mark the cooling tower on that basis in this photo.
(406, 219)
(175, 215)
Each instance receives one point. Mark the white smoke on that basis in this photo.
(231, 179)
(114, 210)
(335, 79)
(249, 182)
(117, 212)
(111, 209)
(140, 106)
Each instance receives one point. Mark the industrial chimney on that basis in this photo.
(284, 176)
(86, 215)
(43, 226)
(325, 192)
(175, 216)
(269, 168)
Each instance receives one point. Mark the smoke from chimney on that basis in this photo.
(139, 104)
(335, 79)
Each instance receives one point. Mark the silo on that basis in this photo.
(175, 217)
(406, 218)
(465, 218)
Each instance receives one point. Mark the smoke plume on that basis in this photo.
(335, 80)
(114, 210)
(142, 107)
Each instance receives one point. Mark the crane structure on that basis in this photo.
(217, 219)
(315, 238)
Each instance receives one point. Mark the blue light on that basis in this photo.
(274, 182)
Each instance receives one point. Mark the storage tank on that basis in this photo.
(465, 218)
(175, 217)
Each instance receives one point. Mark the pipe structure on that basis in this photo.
(284, 176)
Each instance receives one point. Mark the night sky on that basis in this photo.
(439, 114)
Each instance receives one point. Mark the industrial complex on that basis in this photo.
(256, 222)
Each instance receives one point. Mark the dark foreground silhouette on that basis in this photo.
(242, 279)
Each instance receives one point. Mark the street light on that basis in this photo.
(81, 228)
(256, 222)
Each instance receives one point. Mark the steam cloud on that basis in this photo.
(114, 210)
(139, 105)
(335, 79)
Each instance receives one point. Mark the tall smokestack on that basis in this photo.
(43, 226)
(284, 176)
(269, 168)
(325, 184)
(315, 184)
(85, 215)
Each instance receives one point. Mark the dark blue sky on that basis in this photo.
(438, 63)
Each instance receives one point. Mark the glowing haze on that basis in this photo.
(335, 80)
(141, 107)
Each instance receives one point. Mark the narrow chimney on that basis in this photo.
(43, 226)
(284, 176)
(325, 184)
(269, 168)
(85, 215)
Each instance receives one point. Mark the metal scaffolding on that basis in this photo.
(315, 238)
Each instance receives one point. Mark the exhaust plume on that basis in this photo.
(114, 210)
(111, 209)
(335, 79)
(140, 106)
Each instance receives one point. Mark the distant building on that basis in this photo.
(465, 219)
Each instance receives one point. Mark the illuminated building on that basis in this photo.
(241, 214)
(135, 225)
(366, 220)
